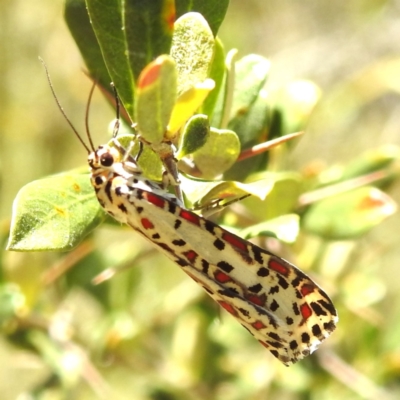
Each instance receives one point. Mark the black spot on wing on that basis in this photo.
(171, 207)
(177, 224)
(328, 305)
(274, 305)
(219, 244)
(293, 345)
(317, 309)
(205, 265)
(283, 282)
(274, 336)
(255, 288)
(305, 337)
(181, 262)
(122, 208)
(263, 272)
(179, 242)
(316, 330)
(209, 226)
(329, 326)
(257, 254)
(107, 189)
(225, 266)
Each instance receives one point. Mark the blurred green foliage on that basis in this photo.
(149, 332)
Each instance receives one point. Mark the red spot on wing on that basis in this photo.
(190, 255)
(235, 241)
(258, 325)
(307, 289)
(222, 277)
(228, 307)
(190, 217)
(278, 267)
(156, 200)
(146, 223)
(305, 311)
(258, 300)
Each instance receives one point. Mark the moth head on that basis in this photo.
(104, 157)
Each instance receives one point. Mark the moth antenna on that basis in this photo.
(89, 136)
(140, 151)
(117, 111)
(61, 108)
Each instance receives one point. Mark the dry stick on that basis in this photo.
(263, 147)
(67, 262)
(341, 187)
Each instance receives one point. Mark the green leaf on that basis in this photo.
(252, 128)
(156, 97)
(252, 125)
(213, 11)
(187, 103)
(150, 164)
(285, 228)
(223, 105)
(217, 74)
(148, 26)
(371, 161)
(218, 154)
(77, 19)
(12, 302)
(192, 49)
(350, 214)
(281, 200)
(194, 135)
(54, 213)
(292, 107)
(250, 77)
(107, 21)
(232, 189)
(202, 193)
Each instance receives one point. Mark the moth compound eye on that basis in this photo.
(106, 160)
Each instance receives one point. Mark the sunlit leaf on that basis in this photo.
(187, 103)
(202, 192)
(218, 154)
(54, 213)
(213, 11)
(156, 96)
(107, 21)
(251, 73)
(292, 106)
(148, 26)
(281, 200)
(194, 136)
(350, 214)
(285, 228)
(217, 74)
(78, 22)
(192, 49)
